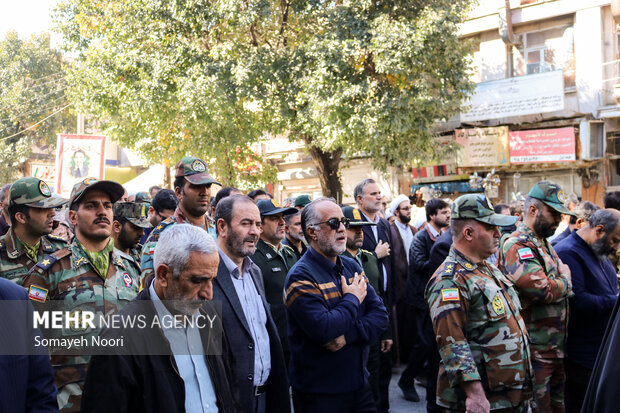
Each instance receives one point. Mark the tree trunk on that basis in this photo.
(327, 164)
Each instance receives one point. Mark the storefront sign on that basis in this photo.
(78, 157)
(516, 96)
(482, 146)
(542, 145)
(44, 172)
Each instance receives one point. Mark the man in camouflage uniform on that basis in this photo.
(355, 240)
(86, 275)
(130, 220)
(192, 185)
(29, 239)
(482, 340)
(544, 285)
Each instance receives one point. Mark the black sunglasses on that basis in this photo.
(334, 223)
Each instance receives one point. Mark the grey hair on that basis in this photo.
(606, 217)
(4, 190)
(583, 210)
(287, 218)
(310, 216)
(532, 201)
(571, 198)
(359, 188)
(176, 243)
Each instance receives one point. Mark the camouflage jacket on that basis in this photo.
(15, 263)
(479, 332)
(68, 276)
(532, 265)
(146, 259)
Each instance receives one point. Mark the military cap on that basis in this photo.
(195, 171)
(113, 189)
(134, 212)
(551, 194)
(34, 192)
(355, 217)
(143, 197)
(269, 207)
(478, 207)
(302, 201)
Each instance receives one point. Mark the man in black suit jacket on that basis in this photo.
(424, 351)
(378, 240)
(252, 335)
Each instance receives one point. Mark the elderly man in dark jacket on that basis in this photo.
(168, 367)
(595, 286)
(424, 350)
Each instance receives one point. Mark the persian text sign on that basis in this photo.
(516, 96)
(542, 145)
(482, 146)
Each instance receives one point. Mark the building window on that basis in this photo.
(547, 50)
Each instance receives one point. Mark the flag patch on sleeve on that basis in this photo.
(450, 294)
(525, 253)
(37, 293)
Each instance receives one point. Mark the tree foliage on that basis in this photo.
(32, 87)
(346, 77)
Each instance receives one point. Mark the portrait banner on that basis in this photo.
(78, 157)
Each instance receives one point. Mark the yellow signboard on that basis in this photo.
(482, 146)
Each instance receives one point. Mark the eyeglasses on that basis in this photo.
(334, 223)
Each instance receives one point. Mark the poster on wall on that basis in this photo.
(78, 157)
(542, 145)
(482, 146)
(44, 172)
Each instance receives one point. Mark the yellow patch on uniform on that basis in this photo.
(468, 266)
(561, 196)
(89, 181)
(450, 294)
(356, 214)
(498, 305)
(45, 262)
(79, 261)
(44, 189)
(198, 166)
(37, 293)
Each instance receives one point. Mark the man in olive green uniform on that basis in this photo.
(355, 239)
(86, 275)
(275, 260)
(544, 285)
(482, 340)
(31, 208)
(192, 186)
(130, 220)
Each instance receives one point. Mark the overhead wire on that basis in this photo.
(38, 123)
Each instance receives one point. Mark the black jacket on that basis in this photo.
(138, 382)
(242, 345)
(440, 251)
(385, 235)
(419, 269)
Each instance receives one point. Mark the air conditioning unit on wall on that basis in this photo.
(592, 138)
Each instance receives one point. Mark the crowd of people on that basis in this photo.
(491, 308)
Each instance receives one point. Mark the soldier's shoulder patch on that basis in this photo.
(449, 294)
(448, 270)
(287, 248)
(47, 262)
(525, 253)
(36, 293)
(523, 238)
(2, 245)
(56, 238)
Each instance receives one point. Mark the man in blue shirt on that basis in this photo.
(595, 286)
(333, 315)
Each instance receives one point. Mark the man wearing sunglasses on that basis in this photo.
(333, 317)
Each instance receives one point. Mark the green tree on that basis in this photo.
(345, 77)
(32, 88)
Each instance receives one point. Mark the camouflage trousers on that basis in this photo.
(549, 379)
(70, 397)
(524, 407)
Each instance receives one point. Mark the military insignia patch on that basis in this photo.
(450, 294)
(525, 253)
(268, 255)
(498, 305)
(46, 262)
(356, 214)
(561, 196)
(44, 189)
(468, 266)
(89, 181)
(198, 166)
(275, 203)
(127, 280)
(37, 293)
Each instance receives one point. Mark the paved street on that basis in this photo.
(400, 405)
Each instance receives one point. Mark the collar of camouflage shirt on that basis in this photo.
(14, 246)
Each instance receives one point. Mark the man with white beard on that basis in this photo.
(333, 316)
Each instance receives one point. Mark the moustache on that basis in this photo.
(103, 219)
(251, 238)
